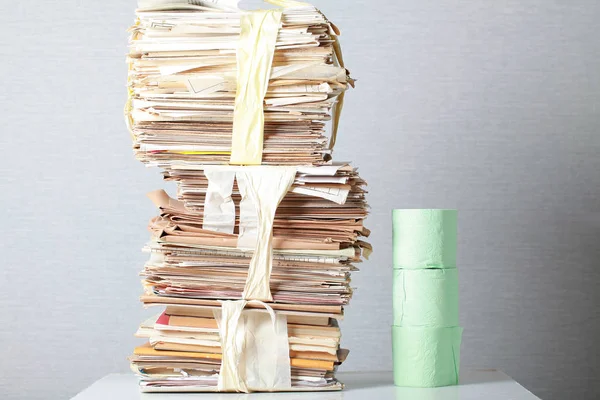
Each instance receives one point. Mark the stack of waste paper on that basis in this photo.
(251, 261)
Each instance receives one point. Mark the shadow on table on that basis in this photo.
(367, 381)
(475, 382)
(470, 379)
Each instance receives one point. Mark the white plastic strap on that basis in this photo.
(255, 348)
(219, 208)
(264, 187)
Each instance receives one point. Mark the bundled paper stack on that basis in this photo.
(184, 70)
(252, 261)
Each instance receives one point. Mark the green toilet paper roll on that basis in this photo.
(426, 357)
(424, 238)
(425, 297)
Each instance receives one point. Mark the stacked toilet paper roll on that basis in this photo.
(425, 336)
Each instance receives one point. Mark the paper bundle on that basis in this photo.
(184, 77)
(425, 335)
(251, 261)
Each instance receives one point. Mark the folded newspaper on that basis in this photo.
(250, 264)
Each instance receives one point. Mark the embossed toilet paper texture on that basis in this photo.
(425, 297)
(426, 357)
(424, 238)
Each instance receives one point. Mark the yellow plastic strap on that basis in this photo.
(288, 3)
(127, 110)
(128, 105)
(255, 51)
(202, 152)
(337, 113)
(337, 108)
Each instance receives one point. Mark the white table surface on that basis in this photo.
(486, 384)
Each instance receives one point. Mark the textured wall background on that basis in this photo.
(489, 107)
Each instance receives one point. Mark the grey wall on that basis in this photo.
(487, 106)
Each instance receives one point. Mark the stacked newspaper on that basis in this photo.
(250, 263)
